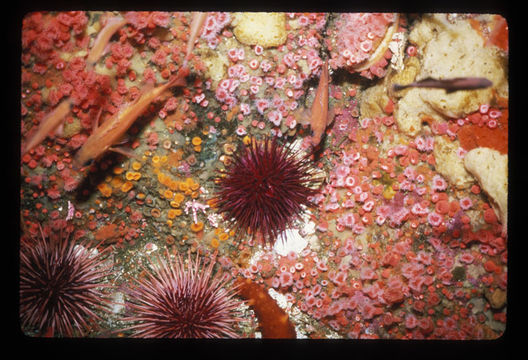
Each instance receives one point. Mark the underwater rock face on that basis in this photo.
(392, 225)
(450, 49)
(491, 170)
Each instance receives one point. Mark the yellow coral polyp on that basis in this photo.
(133, 175)
(174, 204)
(190, 185)
(172, 213)
(223, 236)
(136, 165)
(197, 148)
(105, 190)
(116, 182)
(178, 197)
(162, 177)
(173, 185)
(167, 181)
(196, 141)
(167, 194)
(195, 227)
(215, 243)
(156, 160)
(118, 170)
(126, 186)
(182, 186)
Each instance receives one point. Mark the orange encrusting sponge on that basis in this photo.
(274, 322)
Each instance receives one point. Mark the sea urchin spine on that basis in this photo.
(265, 188)
(183, 301)
(60, 285)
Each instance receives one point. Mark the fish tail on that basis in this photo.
(398, 87)
(178, 79)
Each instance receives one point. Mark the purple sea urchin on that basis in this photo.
(265, 188)
(60, 285)
(178, 300)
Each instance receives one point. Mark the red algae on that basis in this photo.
(274, 322)
(472, 136)
(499, 33)
(495, 33)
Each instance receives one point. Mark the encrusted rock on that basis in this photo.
(490, 168)
(449, 51)
(264, 29)
(449, 164)
(497, 298)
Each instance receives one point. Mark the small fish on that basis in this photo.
(320, 117)
(113, 129)
(198, 19)
(112, 25)
(449, 85)
(48, 124)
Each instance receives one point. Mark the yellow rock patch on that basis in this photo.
(216, 63)
(264, 29)
(449, 164)
(490, 168)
